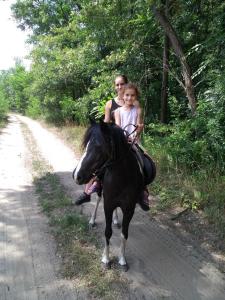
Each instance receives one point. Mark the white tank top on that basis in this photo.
(128, 117)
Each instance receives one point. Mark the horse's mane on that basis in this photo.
(107, 134)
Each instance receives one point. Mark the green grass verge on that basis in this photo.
(199, 189)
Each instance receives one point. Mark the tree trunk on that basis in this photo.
(164, 89)
(165, 74)
(175, 43)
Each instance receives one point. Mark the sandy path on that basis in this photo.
(28, 265)
(162, 265)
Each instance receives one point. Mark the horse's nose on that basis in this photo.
(77, 176)
(78, 179)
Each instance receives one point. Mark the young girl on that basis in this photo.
(127, 117)
(130, 115)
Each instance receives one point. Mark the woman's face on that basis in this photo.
(119, 85)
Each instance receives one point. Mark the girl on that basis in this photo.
(127, 116)
(130, 114)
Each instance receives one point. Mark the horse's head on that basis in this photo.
(97, 151)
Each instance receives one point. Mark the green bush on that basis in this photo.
(3, 107)
(68, 108)
(34, 108)
(199, 141)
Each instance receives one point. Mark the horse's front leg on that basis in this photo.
(108, 234)
(127, 216)
(93, 216)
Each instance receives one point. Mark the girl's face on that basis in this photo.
(119, 85)
(129, 97)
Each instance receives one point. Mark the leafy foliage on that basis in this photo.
(80, 46)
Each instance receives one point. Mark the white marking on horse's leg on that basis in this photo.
(105, 255)
(122, 260)
(93, 216)
(79, 164)
(115, 217)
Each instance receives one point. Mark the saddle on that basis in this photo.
(146, 164)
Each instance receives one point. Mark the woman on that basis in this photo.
(117, 102)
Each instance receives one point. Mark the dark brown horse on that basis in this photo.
(109, 155)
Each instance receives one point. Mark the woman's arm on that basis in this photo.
(117, 117)
(108, 105)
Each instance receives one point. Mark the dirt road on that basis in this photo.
(28, 265)
(162, 264)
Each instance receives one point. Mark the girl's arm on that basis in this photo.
(117, 117)
(108, 105)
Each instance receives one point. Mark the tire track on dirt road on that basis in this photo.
(162, 265)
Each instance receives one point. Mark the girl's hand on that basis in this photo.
(133, 138)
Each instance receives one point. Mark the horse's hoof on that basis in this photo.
(124, 268)
(106, 266)
(91, 225)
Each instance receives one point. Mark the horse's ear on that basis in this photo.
(104, 127)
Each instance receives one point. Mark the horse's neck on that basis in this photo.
(126, 164)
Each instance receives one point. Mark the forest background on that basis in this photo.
(173, 49)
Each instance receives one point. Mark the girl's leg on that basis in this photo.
(88, 185)
(95, 187)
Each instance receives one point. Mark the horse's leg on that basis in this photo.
(115, 218)
(93, 216)
(127, 216)
(108, 234)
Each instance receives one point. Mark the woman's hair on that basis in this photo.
(124, 77)
(132, 86)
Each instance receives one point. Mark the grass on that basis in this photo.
(78, 247)
(3, 121)
(199, 189)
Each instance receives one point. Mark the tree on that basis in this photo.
(164, 89)
(177, 47)
(42, 17)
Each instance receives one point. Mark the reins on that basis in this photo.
(129, 134)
